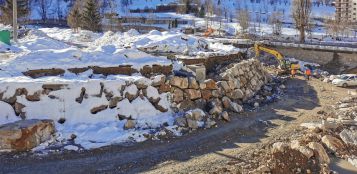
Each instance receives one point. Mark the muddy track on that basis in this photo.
(200, 152)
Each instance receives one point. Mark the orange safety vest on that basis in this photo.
(293, 71)
(308, 72)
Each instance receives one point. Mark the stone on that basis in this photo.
(202, 85)
(152, 94)
(332, 143)
(302, 149)
(349, 136)
(319, 149)
(158, 80)
(225, 116)
(280, 147)
(256, 104)
(130, 124)
(206, 94)
(192, 83)
(142, 83)
(97, 109)
(216, 110)
(164, 88)
(226, 76)
(226, 102)
(236, 107)
(192, 124)
(24, 135)
(216, 93)
(181, 121)
(210, 123)
(54, 87)
(236, 94)
(113, 102)
(180, 82)
(232, 85)
(177, 95)
(186, 105)
(34, 97)
(210, 84)
(224, 85)
(131, 92)
(199, 70)
(18, 108)
(193, 94)
(81, 95)
(196, 114)
(161, 106)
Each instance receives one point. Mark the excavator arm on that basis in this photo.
(276, 54)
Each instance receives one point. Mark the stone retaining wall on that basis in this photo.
(132, 99)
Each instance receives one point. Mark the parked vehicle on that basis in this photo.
(346, 80)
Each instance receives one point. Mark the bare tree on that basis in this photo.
(58, 10)
(112, 17)
(244, 20)
(74, 17)
(44, 6)
(301, 10)
(275, 21)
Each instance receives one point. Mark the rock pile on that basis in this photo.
(335, 136)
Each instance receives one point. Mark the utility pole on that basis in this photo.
(14, 19)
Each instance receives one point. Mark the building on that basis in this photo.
(346, 10)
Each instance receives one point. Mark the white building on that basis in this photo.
(346, 10)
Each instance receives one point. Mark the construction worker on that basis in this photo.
(308, 73)
(293, 72)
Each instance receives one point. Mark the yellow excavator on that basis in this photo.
(284, 64)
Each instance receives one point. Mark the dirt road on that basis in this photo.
(204, 151)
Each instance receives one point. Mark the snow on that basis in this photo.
(152, 93)
(132, 90)
(7, 113)
(71, 147)
(38, 47)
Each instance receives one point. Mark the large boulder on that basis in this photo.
(349, 136)
(193, 94)
(131, 92)
(332, 143)
(158, 80)
(210, 84)
(179, 82)
(321, 153)
(25, 134)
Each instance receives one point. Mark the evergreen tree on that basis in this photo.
(22, 11)
(74, 18)
(188, 6)
(202, 12)
(91, 17)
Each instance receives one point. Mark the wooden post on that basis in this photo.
(14, 19)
